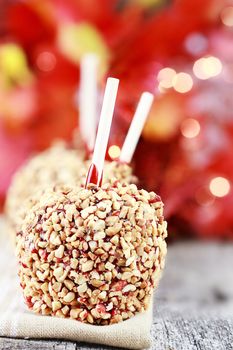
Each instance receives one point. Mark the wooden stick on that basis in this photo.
(88, 99)
(136, 127)
(96, 169)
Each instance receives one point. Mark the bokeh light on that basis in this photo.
(46, 61)
(165, 77)
(190, 128)
(227, 16)
(196, 44)
(182, 82)
(207, 67)
(114, 151)
(219, 186)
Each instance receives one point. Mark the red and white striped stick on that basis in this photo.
(95, 172)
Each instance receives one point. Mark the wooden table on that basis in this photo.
(193, 307)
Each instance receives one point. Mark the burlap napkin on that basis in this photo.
(17, 321)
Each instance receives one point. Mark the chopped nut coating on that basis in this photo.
(104, 270)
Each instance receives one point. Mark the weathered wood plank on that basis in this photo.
(29, 344)
(201, 333)
(21, 344)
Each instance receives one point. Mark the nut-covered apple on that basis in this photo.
(59, 165)
(94, 254)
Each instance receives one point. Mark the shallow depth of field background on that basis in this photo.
(180, 50)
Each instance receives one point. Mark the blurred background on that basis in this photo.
(180, 50)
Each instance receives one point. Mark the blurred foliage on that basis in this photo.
(185, 151)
